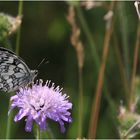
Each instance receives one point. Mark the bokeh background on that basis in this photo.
(46, 32)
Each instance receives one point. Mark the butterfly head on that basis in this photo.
(34, 73)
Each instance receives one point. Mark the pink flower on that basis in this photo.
(39, 103)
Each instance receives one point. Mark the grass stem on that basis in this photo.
(88, 35)
(135, 60)
(121, 66)
(124, 35)
(79, 48)
(80, 126)
(96, 102)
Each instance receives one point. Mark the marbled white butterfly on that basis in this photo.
(14, 73)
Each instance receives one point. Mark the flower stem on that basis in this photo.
(9, 121)
(8, 128)
(37, 133)
(20, 11)
(50, 133)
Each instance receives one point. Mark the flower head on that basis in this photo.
(9, 24)
(39, 103)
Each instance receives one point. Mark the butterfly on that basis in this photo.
(14, 73)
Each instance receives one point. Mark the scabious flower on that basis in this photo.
(41, 102)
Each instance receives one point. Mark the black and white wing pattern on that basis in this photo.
(14, 73)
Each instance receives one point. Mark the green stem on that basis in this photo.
(124, 32)
(121, 66)
(8, 128)
(80, 104)
(9, 121)
(37, 133)
(50, 133)
(94, 52)
(20, 11)
(132, 128)
(88, 36)
(134, 69)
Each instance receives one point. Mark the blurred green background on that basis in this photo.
(45, 32)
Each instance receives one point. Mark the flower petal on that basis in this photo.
(41, 122)
(62, 128)
(20, 115)
(29, 122)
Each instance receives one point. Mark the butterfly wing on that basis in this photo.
(14, 73)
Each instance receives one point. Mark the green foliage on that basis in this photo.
(5, 26)
(47, 33)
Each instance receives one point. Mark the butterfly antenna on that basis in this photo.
(44, 61)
